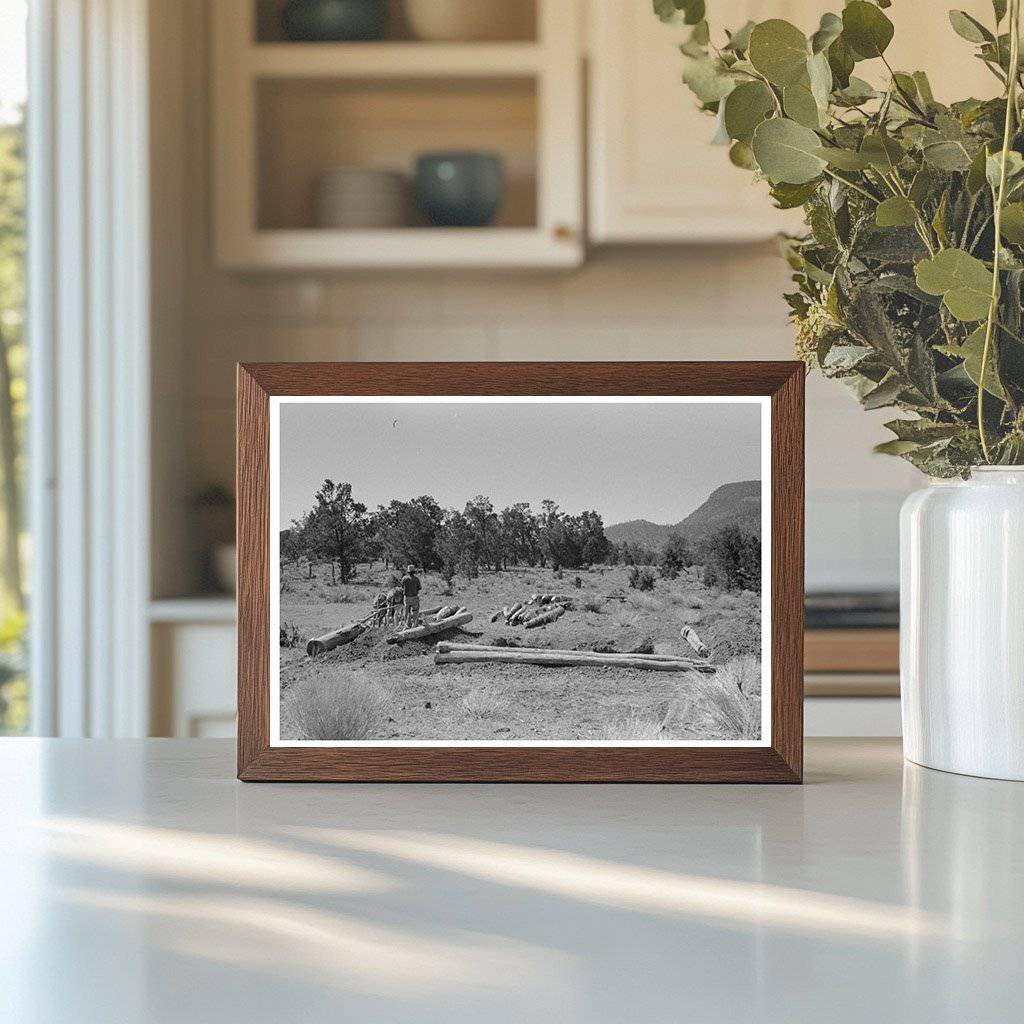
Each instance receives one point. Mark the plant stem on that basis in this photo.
(1011, 109)
(853, 185)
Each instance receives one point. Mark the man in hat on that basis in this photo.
(411, 595)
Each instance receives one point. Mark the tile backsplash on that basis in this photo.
(709, 303)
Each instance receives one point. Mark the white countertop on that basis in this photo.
(140, 882)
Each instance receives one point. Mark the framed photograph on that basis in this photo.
(578, 572)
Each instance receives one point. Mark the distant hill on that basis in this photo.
(738, 503)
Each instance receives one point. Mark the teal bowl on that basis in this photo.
(334, 21)
(460, 190)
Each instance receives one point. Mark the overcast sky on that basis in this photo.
(655, 461)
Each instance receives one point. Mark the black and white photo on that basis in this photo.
(519, 571)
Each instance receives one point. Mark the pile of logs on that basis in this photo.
(347, 633)
(538, 611)
(456, 653)
(456, 617)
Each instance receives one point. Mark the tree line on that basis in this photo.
(340, 530)
(344, 532)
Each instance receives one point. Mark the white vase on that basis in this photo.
(962, 624)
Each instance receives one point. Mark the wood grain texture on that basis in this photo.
(780, 762)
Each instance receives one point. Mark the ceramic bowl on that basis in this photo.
(459, 189)
(470, 20)
(333, 21)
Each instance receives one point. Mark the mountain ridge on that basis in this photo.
(738, 502)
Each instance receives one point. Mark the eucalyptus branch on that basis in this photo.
(993, 309)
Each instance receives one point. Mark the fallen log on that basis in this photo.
(451, 646)
(544, 618)
(690, 636)
(444, 612)
(569, 659)
(337, 637)
(418, 632)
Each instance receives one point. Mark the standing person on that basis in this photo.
(411, 592)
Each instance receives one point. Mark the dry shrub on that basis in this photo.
(593, 604)
(644, 602)
(634, 726)
(728, 704)
(334, 704)
(483, 702)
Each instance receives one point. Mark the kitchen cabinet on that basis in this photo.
(654, 177)
(286, 114)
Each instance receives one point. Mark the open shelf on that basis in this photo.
(520, 22)
(393, 60)
(309, 127)
(285, 114)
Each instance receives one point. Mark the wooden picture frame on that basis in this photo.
(779, 759)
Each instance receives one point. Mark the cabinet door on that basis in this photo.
(654, 177)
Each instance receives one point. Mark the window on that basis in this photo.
(14, 690)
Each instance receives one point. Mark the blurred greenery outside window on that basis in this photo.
(14, 538)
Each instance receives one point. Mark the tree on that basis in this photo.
(409, 529)
(13, 406)
(733, 558)
(519, 532)
(454, 548)
(334, 528)
(676, 555)
(487, 538)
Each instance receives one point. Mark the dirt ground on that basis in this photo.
(413, 698)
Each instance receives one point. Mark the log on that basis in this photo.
(513, 610)
(450, 646)
(501, 613)
(545, 617)
(444, 612)
(569, 659)
(690, 636)
(337, 637)
(417, 632)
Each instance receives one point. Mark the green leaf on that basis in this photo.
(844, 159)
(801, 106)
(857, 91)
(999, 9)
(971, 351)
(779, 51)
(993, 167)
(1012, 224)
(707, 78)
(819, 74)
(924, 87)
(963, 281)
(922, 185)
(788, 197)
(885, 394)
(787, 152)
(922, 431)
(739, 41)
(745, 108)
(976, 173)
(883, 152)
(947, 156)
(841, 63)
(741, 155)
(689, 12)
(829, 30)
(895, 212)
(969, 28)
(895, 447)
(866, 29)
